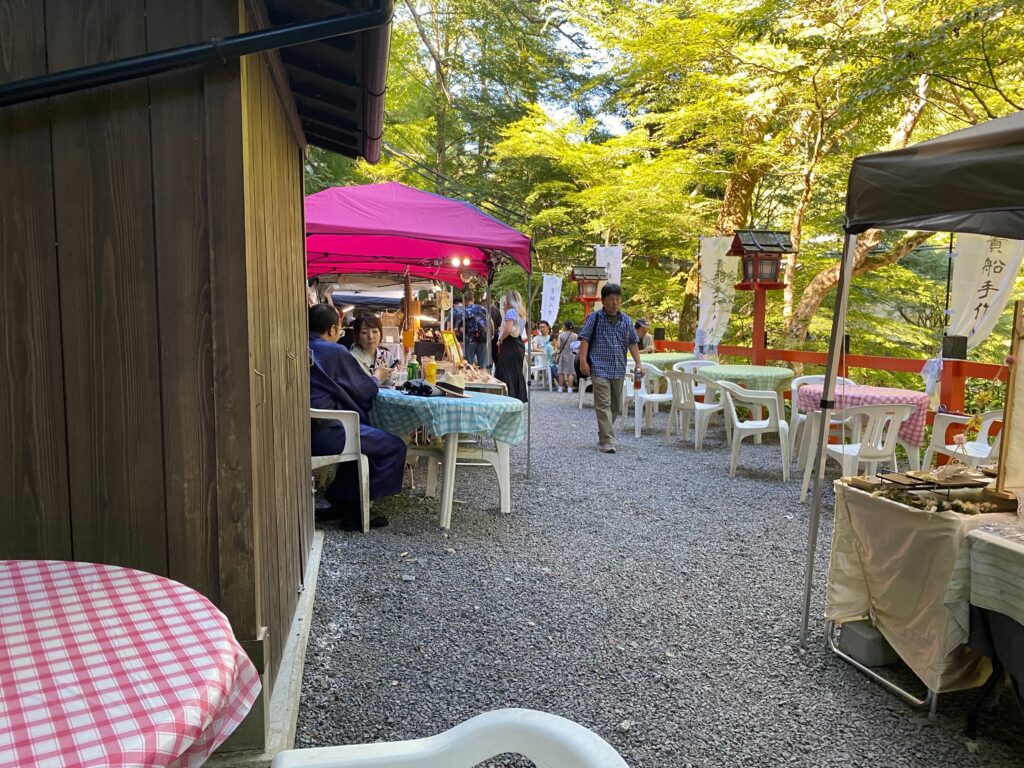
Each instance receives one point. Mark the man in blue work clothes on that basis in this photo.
(605, 337)
(338, 382)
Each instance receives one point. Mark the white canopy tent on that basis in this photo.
(968, 181)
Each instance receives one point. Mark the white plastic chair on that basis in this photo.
(974, 452)
(647, 399)
(752, 399)
(798, 418)
(873, 430)
(582, 385)
(546, 740)
(685, 405)
(540, 371)
(352, 452)
(693, 366)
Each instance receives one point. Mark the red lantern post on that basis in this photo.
(589, 281)
(761, 251)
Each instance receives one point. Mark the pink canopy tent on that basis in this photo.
(394, 228)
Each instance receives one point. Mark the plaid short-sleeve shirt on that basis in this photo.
(609, 343)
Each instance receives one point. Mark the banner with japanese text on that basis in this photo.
(609, 257)
(550, 298)
(717, 292)
(984, 270)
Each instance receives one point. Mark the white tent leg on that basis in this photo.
(835, 348)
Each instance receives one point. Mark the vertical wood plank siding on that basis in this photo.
(280, 387)
(181, 225)
(34, 514)
(153, 378)
(107, 263)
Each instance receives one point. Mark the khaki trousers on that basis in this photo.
(607, 404)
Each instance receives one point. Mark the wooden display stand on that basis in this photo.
(1010, 477)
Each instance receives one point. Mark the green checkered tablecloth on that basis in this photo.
(763, 377)
(492, 415)
(665, 360)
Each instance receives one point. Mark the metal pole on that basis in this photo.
(217, 50)
(949, 283)
(835, 352)
(529, 395)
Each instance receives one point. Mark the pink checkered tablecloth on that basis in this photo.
(850, 395)
(106, 666)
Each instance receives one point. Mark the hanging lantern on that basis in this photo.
(589, 281)
(761, 252)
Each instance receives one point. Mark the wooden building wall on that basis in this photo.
(152, 328)
(275, 270)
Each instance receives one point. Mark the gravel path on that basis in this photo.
(645, 594)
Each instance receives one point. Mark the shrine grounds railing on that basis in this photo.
(955, 373)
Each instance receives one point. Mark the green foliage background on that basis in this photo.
(642, 122)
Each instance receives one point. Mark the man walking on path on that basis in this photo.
(604, 338)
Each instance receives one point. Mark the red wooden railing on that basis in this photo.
(955, 373)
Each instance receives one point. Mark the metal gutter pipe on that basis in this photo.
(218, 50)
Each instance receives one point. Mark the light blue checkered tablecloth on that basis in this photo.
(491, 415)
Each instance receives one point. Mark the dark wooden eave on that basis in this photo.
(338, 84)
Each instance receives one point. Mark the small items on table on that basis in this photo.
(102, 665)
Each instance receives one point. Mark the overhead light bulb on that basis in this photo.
(465, 261)
(455, 261)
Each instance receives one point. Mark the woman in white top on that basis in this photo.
(508, 367)
(367, 349)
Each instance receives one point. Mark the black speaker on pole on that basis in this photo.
(954, 347)
(659, 334)
(846, 343)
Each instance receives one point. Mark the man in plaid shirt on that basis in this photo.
(604, 338)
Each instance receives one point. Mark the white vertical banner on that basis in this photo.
(550, 298)
(610, 257)
(984, 270)
(717, 291)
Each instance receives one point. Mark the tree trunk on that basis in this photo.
(825, 281)
(733, 215)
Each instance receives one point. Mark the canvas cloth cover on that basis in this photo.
(908, 570)
(967, 181)
(394, 228)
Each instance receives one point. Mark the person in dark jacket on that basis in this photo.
(338, 382)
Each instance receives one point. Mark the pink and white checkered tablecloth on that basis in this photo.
(106, 666)
(850, 395)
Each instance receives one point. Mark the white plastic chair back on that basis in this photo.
(350, 421)
(546, 740)
(736, 395)
(799, 381)
(875, 428)
(691, 366)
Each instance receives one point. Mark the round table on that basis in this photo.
(665, 360)
(448, 417)
(107, 666)
(763, 377)
(851, 395)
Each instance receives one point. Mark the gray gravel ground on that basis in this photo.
(646, 595)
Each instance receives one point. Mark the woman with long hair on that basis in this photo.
(508, 366)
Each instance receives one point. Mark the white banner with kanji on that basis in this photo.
(717, 291)
(550, 298)
(610, 257)
(984, 270)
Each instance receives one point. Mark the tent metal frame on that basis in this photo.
(884, 192)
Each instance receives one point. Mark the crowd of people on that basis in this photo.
(344, 377)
